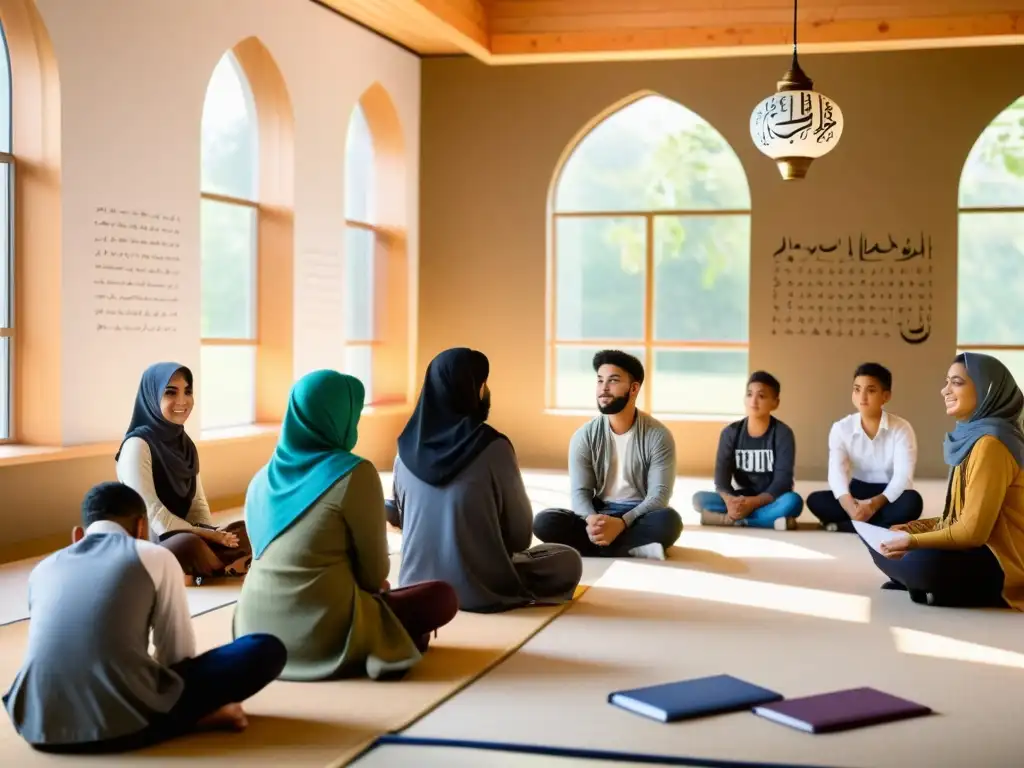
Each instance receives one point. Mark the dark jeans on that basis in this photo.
(229, 674)
(964, 578)
(826, 507)
(563, 526)
(393, 515)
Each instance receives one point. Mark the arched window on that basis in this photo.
(650, 253)
(990, 269)
(229, 248)
(6, 240)
(376, 287)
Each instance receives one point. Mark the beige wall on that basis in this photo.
(133, 76)
(491, 139)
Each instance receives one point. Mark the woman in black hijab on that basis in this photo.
(159, 460)
(458, 494)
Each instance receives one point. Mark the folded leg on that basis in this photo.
(551, 572)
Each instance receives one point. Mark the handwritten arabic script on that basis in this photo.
(854, 287)
(136, 270)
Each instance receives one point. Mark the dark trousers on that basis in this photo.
(226, 675)
(563, 526)
(827, 509)
(423, 608)
(393, 515)
(965, 578)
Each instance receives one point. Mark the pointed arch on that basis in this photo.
(376, 250)
(649, 251)
(30, 317)
(990, 249)
(247, 223)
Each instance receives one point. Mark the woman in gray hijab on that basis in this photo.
(973, 555)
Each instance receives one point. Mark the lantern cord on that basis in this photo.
(795, 3)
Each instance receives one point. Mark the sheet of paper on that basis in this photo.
(875, 536)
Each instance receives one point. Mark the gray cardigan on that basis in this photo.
(650, 468)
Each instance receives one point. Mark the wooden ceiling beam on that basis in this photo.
(834, 35)
(463, 22)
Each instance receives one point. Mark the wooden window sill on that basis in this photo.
(12, 454)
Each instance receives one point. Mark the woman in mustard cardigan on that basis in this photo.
(972, 556)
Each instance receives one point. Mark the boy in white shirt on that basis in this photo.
(871, 458)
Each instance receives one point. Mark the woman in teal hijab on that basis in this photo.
(318, 581)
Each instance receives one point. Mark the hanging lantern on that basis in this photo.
(797, 124)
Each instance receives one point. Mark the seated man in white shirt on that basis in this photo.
(87, 682)
(871, 458)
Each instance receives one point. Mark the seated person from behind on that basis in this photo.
(622, 469)
(758, 452)
(159, 460)
(871, 458)
(315, 515)
(88, 682)
(972, 556)
(465, 514)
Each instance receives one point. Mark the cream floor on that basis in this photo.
(798, 611)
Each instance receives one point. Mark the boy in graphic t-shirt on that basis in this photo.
(754, 467)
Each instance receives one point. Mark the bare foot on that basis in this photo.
(230, 717)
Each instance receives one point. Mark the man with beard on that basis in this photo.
(622, 468)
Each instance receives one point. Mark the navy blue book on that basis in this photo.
(687, 699)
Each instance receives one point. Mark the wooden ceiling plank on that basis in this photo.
(854, 31)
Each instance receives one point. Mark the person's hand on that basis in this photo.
(386, 586)
(592, 525)
(607, 530)
(896, 548)
(862, 511)
(741, 508)
(224, 538)
(732, 507)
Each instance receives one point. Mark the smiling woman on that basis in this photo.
(159, 460)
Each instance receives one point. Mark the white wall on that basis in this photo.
(133, 76)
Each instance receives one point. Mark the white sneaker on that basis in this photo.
(832, 527)
(785, 524)
(652, 551)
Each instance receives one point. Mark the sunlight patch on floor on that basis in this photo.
(753, 547)
(917, 643)
(678, 582)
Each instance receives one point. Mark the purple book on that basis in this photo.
(841, 710)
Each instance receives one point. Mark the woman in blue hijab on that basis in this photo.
(973, 555)
(318, 581)
(159, 460)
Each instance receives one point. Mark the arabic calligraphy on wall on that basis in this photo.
(854, 286)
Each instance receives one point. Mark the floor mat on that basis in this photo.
(796, 612)
(309, 724)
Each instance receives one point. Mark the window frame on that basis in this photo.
(389, 265)
(252, 341)
(969, 210)
(648, 343)
(8, 322)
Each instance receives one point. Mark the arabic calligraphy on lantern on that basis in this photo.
(803, 117)
(854, 286)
